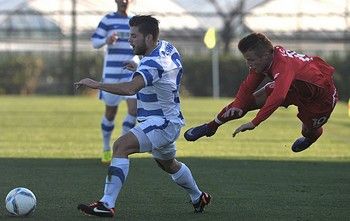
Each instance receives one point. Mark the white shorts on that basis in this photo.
(112, 99)
(158, 136)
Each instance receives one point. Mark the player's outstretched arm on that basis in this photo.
(88, 83)
(125, 88)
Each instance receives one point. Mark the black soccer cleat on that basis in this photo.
(204, 200)
(195, 133)
(96, 209)
(301, 144)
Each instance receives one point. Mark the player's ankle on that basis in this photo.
(212, 127)
(214, 124)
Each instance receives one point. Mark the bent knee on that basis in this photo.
(117, 146)
(119, 149)
(125, 145)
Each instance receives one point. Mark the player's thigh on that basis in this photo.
(312, 121)
(157, 136)
(126, 145)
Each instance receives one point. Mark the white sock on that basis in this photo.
(184, 178)
(107, 129)
(117, 173)
(128, 123)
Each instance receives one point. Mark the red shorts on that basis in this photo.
(313, 113)
(313, 120)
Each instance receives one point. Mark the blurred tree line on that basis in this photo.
(50, 73)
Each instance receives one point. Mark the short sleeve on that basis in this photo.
(151, 71)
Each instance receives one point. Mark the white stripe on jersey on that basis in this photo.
(162, 72)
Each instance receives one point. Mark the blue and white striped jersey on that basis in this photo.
(118, 52)
(162, 72)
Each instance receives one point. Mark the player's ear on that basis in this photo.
(148, 37)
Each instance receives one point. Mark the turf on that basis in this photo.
(51, 146)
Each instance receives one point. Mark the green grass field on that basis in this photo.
(51, 145)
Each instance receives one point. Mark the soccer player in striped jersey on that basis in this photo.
(156, 81)
(113, 31)
(296, 79)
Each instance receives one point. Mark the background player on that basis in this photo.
(113, 31)
(299, 80)
(157, 83)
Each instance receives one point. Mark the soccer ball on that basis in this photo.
(20, 202)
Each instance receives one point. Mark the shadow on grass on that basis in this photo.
(241, 189)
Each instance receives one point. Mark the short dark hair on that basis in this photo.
(146, 24)
(257, 42)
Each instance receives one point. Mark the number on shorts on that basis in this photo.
(317, 122)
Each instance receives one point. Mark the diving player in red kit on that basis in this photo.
(297, 79)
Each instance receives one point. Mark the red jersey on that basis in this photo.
(309, 78)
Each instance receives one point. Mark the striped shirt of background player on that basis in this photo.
(115, 53)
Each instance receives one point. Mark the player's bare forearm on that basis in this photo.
(125, 88)
(87, 82)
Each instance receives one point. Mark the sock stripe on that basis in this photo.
(116, 171)
(107, 128)
(128, 124)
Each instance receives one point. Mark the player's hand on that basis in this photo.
(243, 127)
(130, 65)
(88, 83)
(112, 38)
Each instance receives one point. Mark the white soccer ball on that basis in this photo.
(20, 202)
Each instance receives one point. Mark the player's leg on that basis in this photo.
(130, 118)
(107, 127)
(107, 124)
(311, 129)
(308, 138)
(119, 167)
(231, 112)
(314, 117)
(158, 136)
(182, 176)
(116, 176)
(135, 141)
